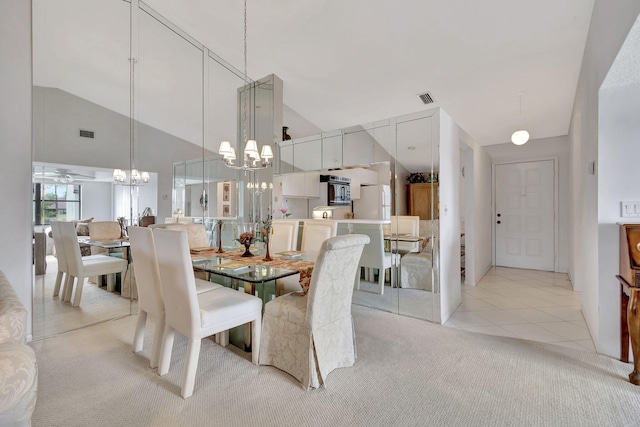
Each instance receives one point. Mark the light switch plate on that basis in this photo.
(630, 209)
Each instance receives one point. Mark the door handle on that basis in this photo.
(499, 215)
(498, 222)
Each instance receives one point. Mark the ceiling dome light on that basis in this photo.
(520, 137)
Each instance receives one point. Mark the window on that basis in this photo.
(55, 202)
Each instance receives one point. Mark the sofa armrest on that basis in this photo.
(18, 384)
(13, 315)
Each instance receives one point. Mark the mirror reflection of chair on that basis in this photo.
(194, 315)
(374, 256)
(407, 225)
(314, 232)
(416, 268)
(63, 268)
(103, 230)
(308, 336)
(80, 268)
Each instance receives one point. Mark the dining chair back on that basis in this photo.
(150, 299)
(314, 232)
(309, 336)
(81, 268)
(373, 254)
(196, 233)
(103, 230)
(197, 315)
(409, 225)
(284, 236)
(63, 269)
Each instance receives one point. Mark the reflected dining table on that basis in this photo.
(115, 247)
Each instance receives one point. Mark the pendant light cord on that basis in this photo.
(245, 75)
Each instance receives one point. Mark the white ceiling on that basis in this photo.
(349, 62)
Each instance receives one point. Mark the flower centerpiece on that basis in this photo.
(247, 237)
(266, 233)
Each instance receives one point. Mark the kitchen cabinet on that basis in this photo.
(420, 198)
(300, 184)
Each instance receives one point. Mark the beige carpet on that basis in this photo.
(408, 372)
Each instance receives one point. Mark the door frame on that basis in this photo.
(556, 202)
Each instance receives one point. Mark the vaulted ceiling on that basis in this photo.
(356, 61)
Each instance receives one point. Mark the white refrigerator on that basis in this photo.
(374, 203)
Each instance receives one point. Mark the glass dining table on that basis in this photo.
(255, 275)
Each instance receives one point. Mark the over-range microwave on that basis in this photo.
(338, 190)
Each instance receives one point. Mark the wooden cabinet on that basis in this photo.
(420, 198)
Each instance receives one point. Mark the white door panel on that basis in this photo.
(525, 215)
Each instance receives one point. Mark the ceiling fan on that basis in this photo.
(63, 176)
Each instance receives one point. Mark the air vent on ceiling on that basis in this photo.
(87, 134)
(426, 98)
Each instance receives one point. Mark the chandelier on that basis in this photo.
(137, 178)
(252, 159)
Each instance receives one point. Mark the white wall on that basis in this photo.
(59, 115)
(15, 144)
(96, 201)
(544, 148)
(607, 31)
(618, 154)
(478, 212)
(450, 136)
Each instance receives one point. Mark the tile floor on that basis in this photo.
(534, 305)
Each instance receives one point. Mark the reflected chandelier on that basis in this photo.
(137, 178)
(252, 159)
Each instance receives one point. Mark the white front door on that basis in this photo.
(524, 215)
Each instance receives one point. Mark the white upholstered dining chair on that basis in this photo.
(150, 299)
(308, 336)
(314, 232)
(284, 236)
(194, 315)
(81, 268)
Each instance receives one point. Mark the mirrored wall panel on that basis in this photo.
(392, 171)
(129, 112)
(81, 123)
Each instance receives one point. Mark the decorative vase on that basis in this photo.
(246, 236)
(247, 245)
(267, 257)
